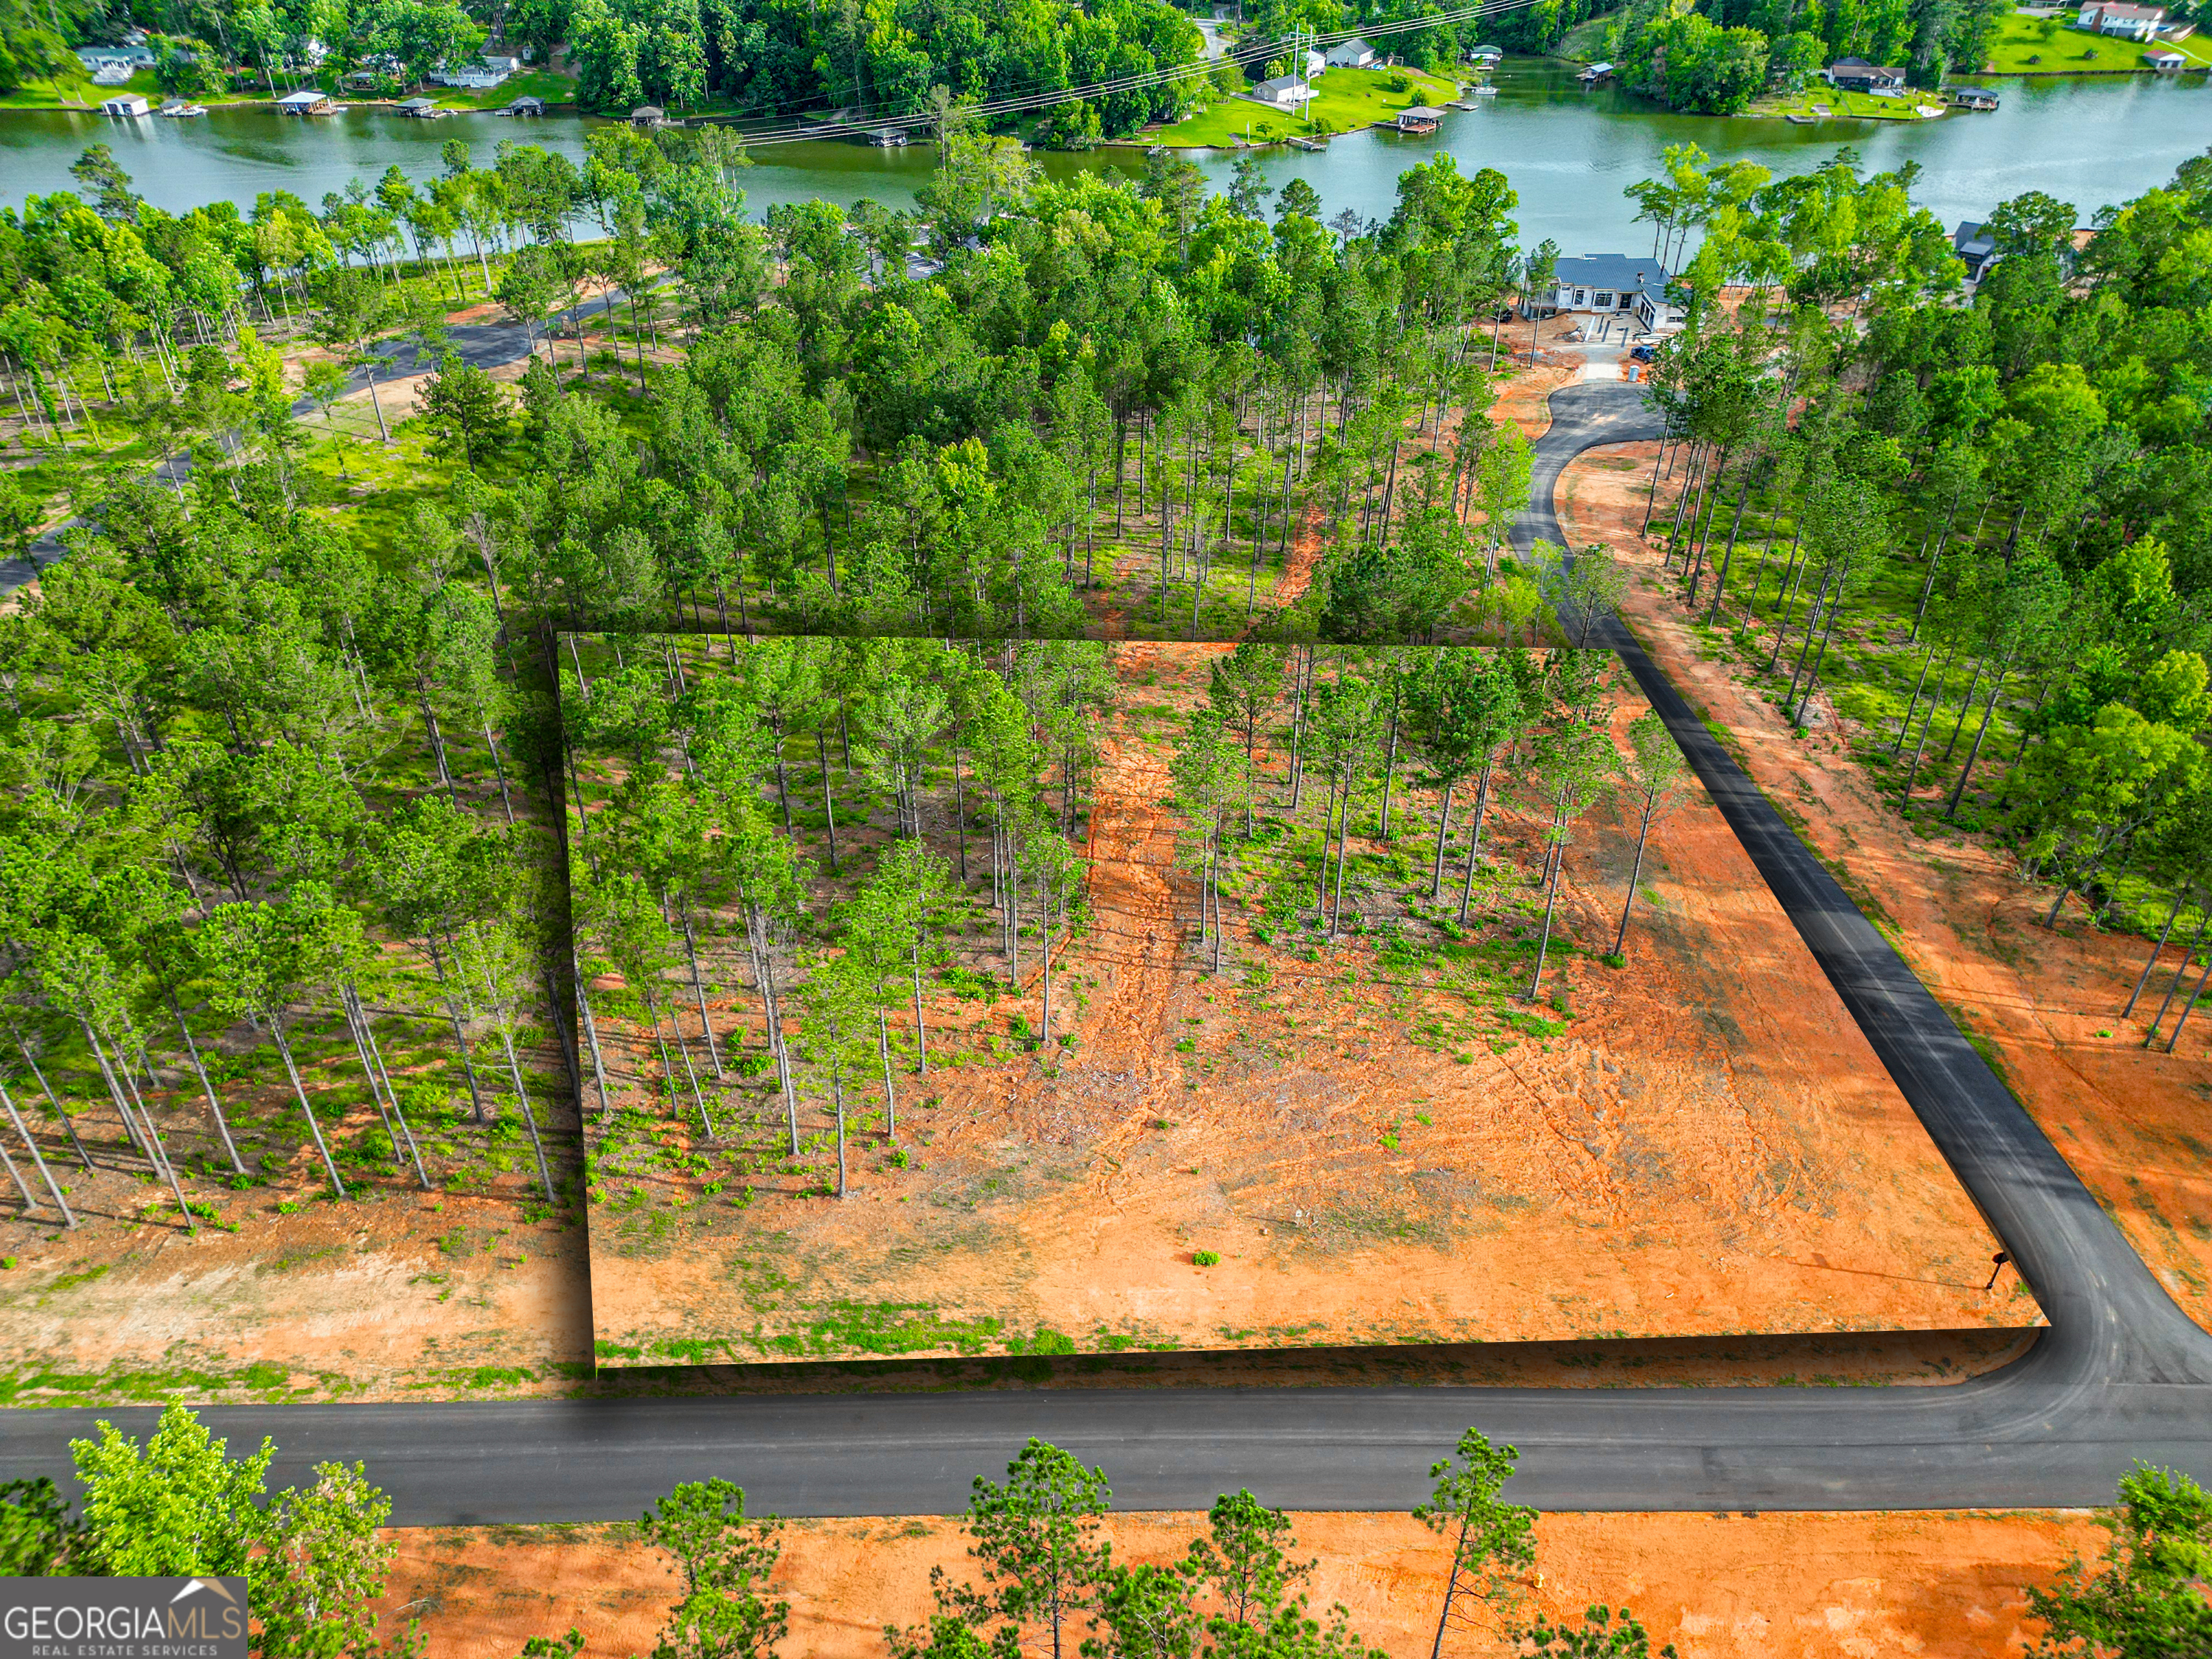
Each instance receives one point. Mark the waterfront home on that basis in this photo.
(1288, 91)
(1354, 53)
(1976, 248)
(2165, 60)
(309, 100)
(422, 109)
(526, 106)
(486, 72)
(129, 59)
(1973, 98)
(127, 103)
(1613, 284)
(648, 115)
(1857, 75)
(2129, 23)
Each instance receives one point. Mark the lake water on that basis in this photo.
(1568, 152)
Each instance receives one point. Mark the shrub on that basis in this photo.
(1205, 1258)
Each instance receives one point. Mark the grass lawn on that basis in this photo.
(1856, 106)
(1347, 99)
(2052, 46)
(66, 93)
(1585, 42)
(531, 83)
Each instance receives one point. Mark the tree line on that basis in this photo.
(1974, 530)
(278, 892)
(1715, 59)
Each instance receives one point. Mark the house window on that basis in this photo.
(1582, 297)
(1604, 302)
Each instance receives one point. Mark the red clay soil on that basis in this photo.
(2130, 1122)
(395, 1295)
(1708, 1148)
(1776, 1586)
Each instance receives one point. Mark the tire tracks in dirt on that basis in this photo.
(1131, 853)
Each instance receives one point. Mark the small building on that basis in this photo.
(1973, 98)
(1288, 91)
(1354, 53)
(127, 103)
(1416, 123)
(422, 109)
(2127, 21)
(1312, 64)
(1612, 285)
(1857, 75)
(309, 100)
(2164, 61)
(1976, 248)
(648, 115)
(526, 106)
(888, 138)
(1594, 73)
(1493, 53)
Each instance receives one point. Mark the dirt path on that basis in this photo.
(2130, 1120)
(1132, 857)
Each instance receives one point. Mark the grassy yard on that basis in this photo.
(1854, 106)
(531, 83)
(1585, 42)
(1347, 99)
(2052, 46)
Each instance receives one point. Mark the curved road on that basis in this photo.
(2122, 1375)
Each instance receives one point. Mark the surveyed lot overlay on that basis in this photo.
(1257, 1104)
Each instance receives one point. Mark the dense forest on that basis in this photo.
(1984, 523)
(1715, 59)
(1030, 411)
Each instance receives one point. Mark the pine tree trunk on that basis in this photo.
(222, 1127)
(314, 1124)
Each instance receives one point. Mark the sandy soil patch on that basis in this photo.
(1706, 1146)
(2130, 1122)
(1776, 1586)
(396, 1294)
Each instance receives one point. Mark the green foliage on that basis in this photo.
(38, 1536)
(179, 1507)
(2145, 1600)
(1493, 1543)
(724, 1558)
(1598, 1636)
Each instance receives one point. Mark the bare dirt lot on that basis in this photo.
(396, 1295)
(1718, 1586)
(1377, 1149)
(2047, 1003)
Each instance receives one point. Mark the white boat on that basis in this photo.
(1482, 92)
(176, 111)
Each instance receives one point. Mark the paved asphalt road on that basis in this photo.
(2123, 1374)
